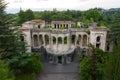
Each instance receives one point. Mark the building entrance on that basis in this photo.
(59, 59)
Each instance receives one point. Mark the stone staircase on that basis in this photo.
(59, 72)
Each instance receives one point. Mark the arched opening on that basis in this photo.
(97, 45)
(98, 39)
(21, 38)
(108, 47)
(84, 40)
(41, 39)
(35, 40)
(38, 26)
(54, 40)
(55, 25)
(46, 39)
(60, 40)
(65, 40)
(79, 39)
(98, 42)
(58, 26)
(73, 39)
(66, 26)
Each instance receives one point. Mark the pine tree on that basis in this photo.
(6, 31)
(12, 49)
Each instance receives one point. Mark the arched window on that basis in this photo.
(98, 42)
(98, 39)
(35, 40)
(38, 26)
(22, 38)
(55, 25)
(66, 26)
(73, 39)
(54, 40)
(60, 40)
(65, 40)
(108, 47)
(79, 39)
(58, 26)
(46, 39)
(41, 39)
(85, 40)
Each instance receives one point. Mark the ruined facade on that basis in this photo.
(59, 40)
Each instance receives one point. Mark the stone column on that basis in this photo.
(43, 36)
(50, 41)
(59, 25)
(57, 42)
(81, 42)
(38, 41)
(65, 26)
(75, 40)
(62, 40)
(32, 41)
(87, 40)
(68, 42)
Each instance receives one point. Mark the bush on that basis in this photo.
(5, 73)
(25, 63)
(30, 76)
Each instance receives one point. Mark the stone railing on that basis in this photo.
(59, 31)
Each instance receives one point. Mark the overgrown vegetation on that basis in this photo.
(13, 50)
(100, 65)
(99, 15)
(17, 64)
(92, 66)
(5, 73)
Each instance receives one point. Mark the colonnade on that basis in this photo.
(61, 25)
(43, 40)
(40, 40)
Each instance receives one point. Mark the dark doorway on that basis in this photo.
(59, 59)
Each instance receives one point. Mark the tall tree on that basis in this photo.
(91, 67)
(12, 49)
(5, 34)
(6, 31)
(95, 14)
(21, 17)
(29, 15)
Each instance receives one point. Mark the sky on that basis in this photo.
(40, 5)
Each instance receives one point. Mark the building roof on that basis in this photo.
(24, 27)
(38, 21)
(62, 22)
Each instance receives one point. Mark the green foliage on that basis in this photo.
(65, 40)
(24, 16)
(21, 18)
(93, 14)
(25, 63)
(75, 26)
(13, 51)
(29, 15)
(112, 68)
(24, 76)
(92, 67)
(5, 73)
(84, 69)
